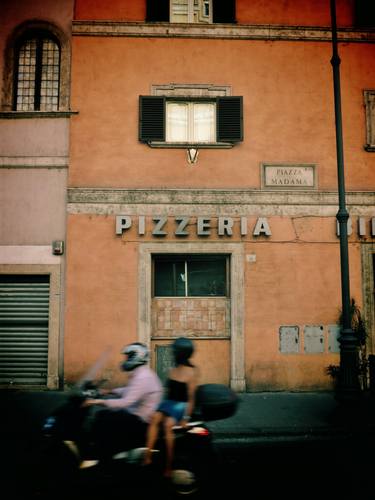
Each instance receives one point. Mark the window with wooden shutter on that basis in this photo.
(177, 122)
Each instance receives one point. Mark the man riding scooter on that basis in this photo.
(122, 422)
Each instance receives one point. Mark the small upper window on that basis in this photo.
(178, 122)
(37, 74)
(191, 11)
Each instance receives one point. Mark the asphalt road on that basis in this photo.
(320, 469)
(329, 467)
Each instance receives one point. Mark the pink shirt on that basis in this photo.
(141, 396)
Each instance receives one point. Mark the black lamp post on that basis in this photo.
(348, 387)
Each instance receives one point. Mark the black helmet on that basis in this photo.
(183, 349)
(137, 355)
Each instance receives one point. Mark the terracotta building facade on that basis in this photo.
(201, 187)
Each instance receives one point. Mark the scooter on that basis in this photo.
(71, 459)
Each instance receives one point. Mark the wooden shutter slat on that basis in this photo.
(229, 119)
(151, 118)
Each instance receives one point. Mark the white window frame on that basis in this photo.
(192, 9)
(190, 122)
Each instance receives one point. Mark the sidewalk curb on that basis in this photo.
(302, 433)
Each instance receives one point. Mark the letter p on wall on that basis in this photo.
(122, 222)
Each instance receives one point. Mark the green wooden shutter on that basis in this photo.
(151, 118)
(157, 11)
(24, 319)
(229, 119)
(224, 11)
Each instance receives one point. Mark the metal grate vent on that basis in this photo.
(24, 314)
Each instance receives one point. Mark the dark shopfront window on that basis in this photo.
(191, 276)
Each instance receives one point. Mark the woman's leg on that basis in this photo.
(169, 422)
(152, 435)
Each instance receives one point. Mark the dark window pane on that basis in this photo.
(169, 279)
(364, 13)
(24, 278)
(207, 278)
(157, 11)
(224, 11)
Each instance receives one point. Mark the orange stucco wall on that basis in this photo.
(286, 12)
(295, 280)
(303, 289)
(288, 118)
(288, 110)
(124, 10)
(293, 12)
(101, 296)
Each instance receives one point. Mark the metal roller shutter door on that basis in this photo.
(24, 317)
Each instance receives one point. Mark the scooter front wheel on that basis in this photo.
(184, 482)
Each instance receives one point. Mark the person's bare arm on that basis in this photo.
(192, 386)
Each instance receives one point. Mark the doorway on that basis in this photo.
(215, 322)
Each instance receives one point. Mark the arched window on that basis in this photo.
(37, 73)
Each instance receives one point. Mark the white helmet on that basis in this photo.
(137, 355)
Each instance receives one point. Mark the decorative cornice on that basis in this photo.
(227, 31)
(214, 196)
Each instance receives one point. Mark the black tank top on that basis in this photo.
(177, 391)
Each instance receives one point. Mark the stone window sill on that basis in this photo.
(36, 114)
(187, 145)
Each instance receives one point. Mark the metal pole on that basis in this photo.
(348, 387)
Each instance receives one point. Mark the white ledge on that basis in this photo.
(215, 196)
(229, 31)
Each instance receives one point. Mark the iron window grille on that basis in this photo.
(37, 74)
